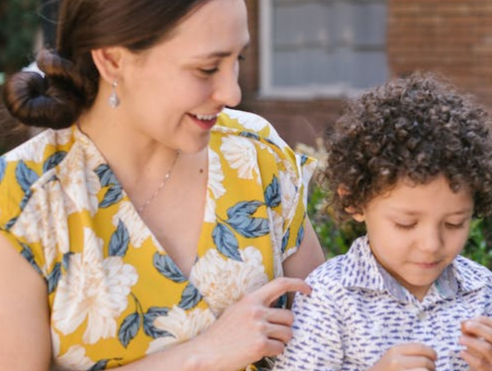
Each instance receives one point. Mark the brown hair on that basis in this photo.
(70, 81)
(415, 128)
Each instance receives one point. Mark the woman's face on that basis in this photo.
(173, 92)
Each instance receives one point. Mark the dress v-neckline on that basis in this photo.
(87, 141)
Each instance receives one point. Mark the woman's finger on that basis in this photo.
(280, 316)
(270, 292)
(279, 333)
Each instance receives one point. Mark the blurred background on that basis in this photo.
(306, 58)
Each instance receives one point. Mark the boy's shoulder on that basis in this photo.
(470, 274)
(328, 272)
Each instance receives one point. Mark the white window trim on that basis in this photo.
(267, 90)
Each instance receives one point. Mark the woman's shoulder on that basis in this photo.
(250, 126)
(24, 167)
(40, 148)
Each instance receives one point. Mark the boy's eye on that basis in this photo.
(455, 225)
(405, 226)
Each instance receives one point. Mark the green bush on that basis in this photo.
(19, 21)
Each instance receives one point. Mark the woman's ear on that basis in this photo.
(109, 62)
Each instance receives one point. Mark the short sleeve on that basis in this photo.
(294, 172)
(16, 179)
(251, 146)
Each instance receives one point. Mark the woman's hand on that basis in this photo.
(410, 356)
(477, 338)
(250, 329)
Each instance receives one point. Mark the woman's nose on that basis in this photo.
(227, 91)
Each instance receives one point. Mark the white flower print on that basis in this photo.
(209, 216)
(277, 223)
(289, 194)
(73, 359)
(182, 325)
(249, 120)
(95, 289)
(277, 139)
(63, 136)
(79, 180)
(307, 172)
(44, 220)
(128, 215)
(33, 219)
(215, 175)
(223, 282)
(240, 153)
(215, 188)
(34, 149)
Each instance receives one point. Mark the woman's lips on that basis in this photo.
(206, 122)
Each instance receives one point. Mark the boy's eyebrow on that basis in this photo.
(413, 213)
(221, 54)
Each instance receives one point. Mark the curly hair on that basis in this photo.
(414, 128)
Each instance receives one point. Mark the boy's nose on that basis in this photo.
(431, 240)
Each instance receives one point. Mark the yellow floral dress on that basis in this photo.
(114, 294)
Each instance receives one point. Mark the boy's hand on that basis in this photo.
(410, 356)
(477, 338)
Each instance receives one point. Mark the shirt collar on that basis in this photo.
(462, 275)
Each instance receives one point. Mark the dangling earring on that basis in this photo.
(114, 101)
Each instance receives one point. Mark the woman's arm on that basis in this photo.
(307, 258)
(25, 340)
(246, 331)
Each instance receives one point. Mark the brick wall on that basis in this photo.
(451, 37)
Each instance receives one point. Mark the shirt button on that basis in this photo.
(421, 316)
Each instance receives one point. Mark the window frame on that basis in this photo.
(267, 89)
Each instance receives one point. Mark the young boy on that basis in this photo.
(413, 161)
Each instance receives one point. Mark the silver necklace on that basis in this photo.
(141, 209)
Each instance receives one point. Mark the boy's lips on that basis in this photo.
(428, 265)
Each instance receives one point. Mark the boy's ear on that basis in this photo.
(109, 62)
(358, 217)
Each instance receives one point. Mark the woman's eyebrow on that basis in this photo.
(221, 54)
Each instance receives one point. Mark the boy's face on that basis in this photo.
(415, 232)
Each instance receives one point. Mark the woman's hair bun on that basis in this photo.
(54, 99)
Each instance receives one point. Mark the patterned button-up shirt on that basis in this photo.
(357, 311)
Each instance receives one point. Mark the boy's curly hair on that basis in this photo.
(412, 128)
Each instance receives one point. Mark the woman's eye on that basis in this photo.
(241, 58)
(209, 71)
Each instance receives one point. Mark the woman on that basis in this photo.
(151, 221)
